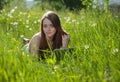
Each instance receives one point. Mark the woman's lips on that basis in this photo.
(48, 32)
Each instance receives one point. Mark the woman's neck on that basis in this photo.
(50, 40)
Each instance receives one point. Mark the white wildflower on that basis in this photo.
(82, 17)
(12, 11)
(3, 10)
(56, 67)
(86, 46)
(27, 21)
(29, 16)
(21, 36)
(65, 18)
(115, 50)
(9, 15)
(30, 29)
(35, 22)
(94, 24)
(74, 21)
(38, 20)
(15, 23)
(15, 7)
(27, 26)
(78, 23)
(116, 16)
(53, 72)
(85, 30)
(68, 19)
(7, 33)
(69, 22)
(20, 13)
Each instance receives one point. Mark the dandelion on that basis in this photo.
(86, 46)
(115, 50)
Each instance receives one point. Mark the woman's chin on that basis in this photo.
(49, 36)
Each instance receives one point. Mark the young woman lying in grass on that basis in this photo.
(51, 36)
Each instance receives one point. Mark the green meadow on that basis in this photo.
(95, 35)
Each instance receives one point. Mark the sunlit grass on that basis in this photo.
(95, 36)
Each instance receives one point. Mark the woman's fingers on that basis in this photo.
(65, 40)
(65, 37)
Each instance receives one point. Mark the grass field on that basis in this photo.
(94, 35)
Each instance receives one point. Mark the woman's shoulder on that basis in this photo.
(67, 34)
(37, 35)
(34, 43)
(35, 39)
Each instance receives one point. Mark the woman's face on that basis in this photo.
(48, 28)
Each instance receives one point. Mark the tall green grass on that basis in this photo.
(94, 35)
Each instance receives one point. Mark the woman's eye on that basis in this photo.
(51, 25)
(44, 26)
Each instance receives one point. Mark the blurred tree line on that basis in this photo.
(4, 2)
(12, 3)
(57, 4)
(70, 4)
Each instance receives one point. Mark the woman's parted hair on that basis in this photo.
(57, 39)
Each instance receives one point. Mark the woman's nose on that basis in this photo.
(49, 27)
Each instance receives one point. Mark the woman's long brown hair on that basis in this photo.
(57, 39)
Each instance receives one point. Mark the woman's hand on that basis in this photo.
(65, 40)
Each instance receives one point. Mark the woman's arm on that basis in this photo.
(34, 44)
(65, 40)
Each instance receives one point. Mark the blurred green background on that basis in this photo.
(94, 27)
